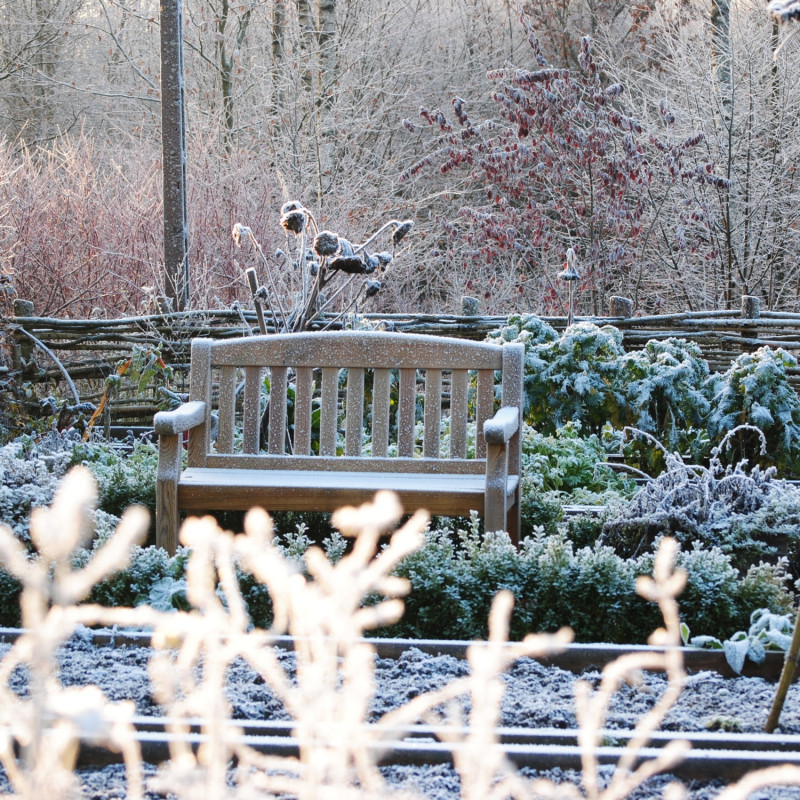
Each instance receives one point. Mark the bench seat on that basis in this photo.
(203, 488)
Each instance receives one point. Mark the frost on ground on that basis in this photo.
(536, 696)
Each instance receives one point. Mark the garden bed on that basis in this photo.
(537, 696)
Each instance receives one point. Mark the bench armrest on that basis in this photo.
(181, 419)
(502, 426)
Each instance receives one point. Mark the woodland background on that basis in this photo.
(663, 149)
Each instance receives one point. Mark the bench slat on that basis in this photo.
(201, 489)
(381, 390)
(322, 464)
(368, 349)
(459, 409)
(329, 416)
(200, 389)
(406, 412)
(433, 413)
(278, 384)
(252, 409)
(354, 410)
(485, 407)
(227, 409)
(302, 411)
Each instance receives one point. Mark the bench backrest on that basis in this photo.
(326, 390)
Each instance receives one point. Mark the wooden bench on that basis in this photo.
(325, 391)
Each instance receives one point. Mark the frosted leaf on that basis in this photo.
(706, 642)
(756, 652)
(780, 640)
(736, 651)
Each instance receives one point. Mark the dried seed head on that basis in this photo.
(352, 265)
(326, 243)
(570, 272)
(384, 259)
(292, 205)
(345, 248)
(238, 232)
(373, 287)
(293, 222)
(313, 268)
(401, 230)
(371, 263)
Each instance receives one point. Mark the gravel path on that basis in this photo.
(537, 696)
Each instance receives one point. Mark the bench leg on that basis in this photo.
(494, 511)
(514, 518)
(169, 470)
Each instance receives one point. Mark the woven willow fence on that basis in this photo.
(74, 357)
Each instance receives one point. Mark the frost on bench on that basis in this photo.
(310, 421)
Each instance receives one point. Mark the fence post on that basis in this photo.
(469, 306)
(620, 307)
(23, 346)
(751, 309)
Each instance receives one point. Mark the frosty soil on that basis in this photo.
(536, 697)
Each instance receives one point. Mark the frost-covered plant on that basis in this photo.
(575, 378)
(29, 474)
(767, 632)
(565, 468)
(718, 505)
(565, 167)
(591, 588)
(125, 477)
(567, 461)
(586, 377)
(756, 391)
(47, 725)
(316, 259)
(665, 396)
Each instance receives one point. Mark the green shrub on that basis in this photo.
(591, 589)
(10, 590)
(124, 477)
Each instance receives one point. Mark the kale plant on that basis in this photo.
(665, 396)
(756, 392)
(567, 461)
(768, 632)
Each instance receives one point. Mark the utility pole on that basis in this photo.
(173, 144)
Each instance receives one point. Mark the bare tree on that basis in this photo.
(738, 232)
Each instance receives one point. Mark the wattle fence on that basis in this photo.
(72, 358)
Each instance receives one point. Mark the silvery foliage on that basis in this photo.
(30, 471)
(729, 506)
(28, 481)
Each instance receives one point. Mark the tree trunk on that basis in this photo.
(173, 141)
